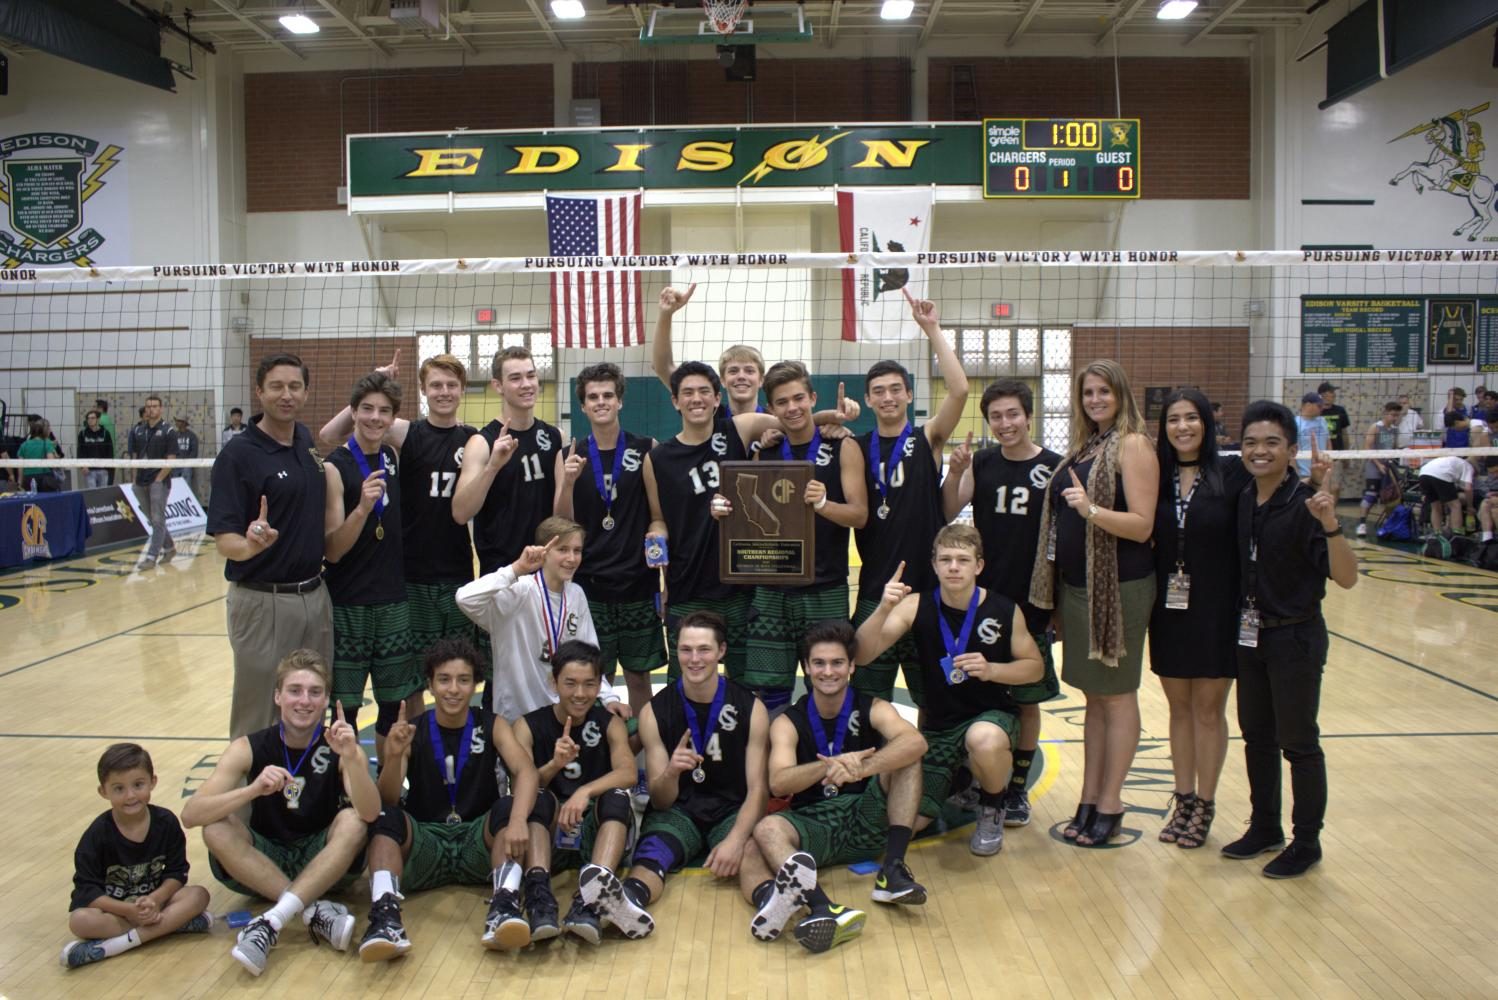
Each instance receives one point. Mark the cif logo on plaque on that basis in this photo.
(48, 178)
(768, 535)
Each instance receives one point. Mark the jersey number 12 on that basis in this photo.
(1019, 500)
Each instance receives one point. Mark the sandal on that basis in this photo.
(1103, 828)
(1185, 806)
(1085, 812)
(1200, 824)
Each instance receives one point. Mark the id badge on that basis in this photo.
(566, 841)
(1177, 591)
(1050, 544)
(1248, 628)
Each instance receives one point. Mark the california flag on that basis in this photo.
(883, 221)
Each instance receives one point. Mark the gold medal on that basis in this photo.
(380, 531)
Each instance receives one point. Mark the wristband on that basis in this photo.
(1334, 533)
(819, 504)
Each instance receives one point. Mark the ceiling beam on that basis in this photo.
(634, 12)
(1217, 19)
(1024, 22)
(545, 25)
(338, 15)
(1120, 21)
(463, 39)
(837, 9)
(256, 27)
(930, 22)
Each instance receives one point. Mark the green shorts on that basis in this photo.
(565, 858)
(946, 750)
(1047, 687)
(291, 858)
(845, 829)
(693, 839)
(777, 621)
(878, 677)
(735, 612)
(443, 854)
(434, 615)
(629, 634)
(373, 642)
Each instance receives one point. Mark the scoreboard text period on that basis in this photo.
(1061, 158)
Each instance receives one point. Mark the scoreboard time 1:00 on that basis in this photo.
(1061, 158)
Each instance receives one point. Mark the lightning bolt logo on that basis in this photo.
(797, 154)
(103, 164)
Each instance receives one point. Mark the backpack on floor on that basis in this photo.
(1464, 549)
(1437, 547)
(1398, 526)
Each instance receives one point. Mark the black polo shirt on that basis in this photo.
(291, 479)
(1283, 553)
(151, 441)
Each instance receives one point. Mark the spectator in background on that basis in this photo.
(39, 444)
(107, 422)
(1224, 437)
(1377, 472)
(1444, 483)
(151, 438)
(1456, 421)
(1409, 422)
(1310, 427)
(94, 442)
(1490, 406)
(236, 427)
(1335, 416)
(187, 447)
(1485, 498)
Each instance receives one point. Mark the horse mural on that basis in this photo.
(1454, 166)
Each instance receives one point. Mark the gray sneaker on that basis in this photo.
(254, 945)
(333, 923)
(76, 953)
(988, 834)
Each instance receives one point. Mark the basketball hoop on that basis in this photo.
(724, 14)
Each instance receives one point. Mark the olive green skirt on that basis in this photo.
(1093, 676)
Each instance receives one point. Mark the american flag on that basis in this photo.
(590, 308)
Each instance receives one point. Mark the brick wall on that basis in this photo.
(694, 92)
(1214, 359)
(336, 363)
(1194, 113)
(295, 122)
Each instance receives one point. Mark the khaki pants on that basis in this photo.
(263, 628)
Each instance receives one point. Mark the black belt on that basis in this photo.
(1281, 622)
(304, 587)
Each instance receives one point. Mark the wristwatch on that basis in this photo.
(1092, 510)
(1333, 533)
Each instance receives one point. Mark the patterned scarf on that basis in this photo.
(1105, 630)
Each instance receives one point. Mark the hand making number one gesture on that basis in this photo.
(574, 465)
(260, 534)
(341, 736)
(532, 557)
(896, 590)
(1075, 495)
(398, 740)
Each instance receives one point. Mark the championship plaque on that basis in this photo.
(771, 535)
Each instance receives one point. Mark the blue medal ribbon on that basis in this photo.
(286, 754)
(958, 645)
(595, 459)
(811, 449)
(363, 463)
(886, 468)
(463, 748)
(840, 730)
(701, 734)
(554, 624)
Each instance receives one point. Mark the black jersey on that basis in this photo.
(724, 756)
(832, 538)
(861, 736)
(520, 497)
(107, 863)
(317, 776)
(372, 571)
(613, 566)
(949, 704)
(1007, 501)
(426, 769)
(95, 443)
(686, 477)
(914, 499)
(594, 758)
(436, 549)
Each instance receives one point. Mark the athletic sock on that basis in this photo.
(1487, 536)
(1021, 776)
(506, 876)
(286, 907)
(637, 891)
(124, 942)
(817, 899)
(992, 800)
(895, 843)
(380, 883)
(762, 892)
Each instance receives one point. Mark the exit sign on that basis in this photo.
(1001, 310)
(485, 315)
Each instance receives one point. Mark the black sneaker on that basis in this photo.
(504, 928)
(829, 927)
(1253, 843)
(386, 937)
(895, 884)
(1016, 807)
(1295, 860)
(582, 921)
(541, 909)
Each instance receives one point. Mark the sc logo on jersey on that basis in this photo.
(389, 461)
(591, 736)
(728, 718)
(989, 631)
(854, 725)
(909, 450)
(632, 460)
(476, 745)
(458, 457)
(1040, 476)
(543, 439)
(321, 758)
(720, 444)
(824, 454)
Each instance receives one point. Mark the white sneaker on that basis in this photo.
(1362, 530)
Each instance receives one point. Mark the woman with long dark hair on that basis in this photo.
(1193, 629)
(1100, 576)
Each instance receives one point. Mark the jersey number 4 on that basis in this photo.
(1018, 500)
(710, 470)
(442, 484)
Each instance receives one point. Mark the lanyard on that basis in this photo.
(1182, 504)
(363, 463)
(450, 779)
(957, 646)
(1256, 528)
(553, 624)
(702, 733)
(316, 734)
(886, 469)
(606, 489)
(840, 731)
(811, 449)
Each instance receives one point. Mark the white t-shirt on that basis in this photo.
(1409, 423)
(514, 614)
(1451, 468)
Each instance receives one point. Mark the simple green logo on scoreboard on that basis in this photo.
(1061, 158)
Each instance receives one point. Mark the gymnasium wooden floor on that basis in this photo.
(1403, 905)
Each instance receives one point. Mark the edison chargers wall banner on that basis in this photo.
(46, 181)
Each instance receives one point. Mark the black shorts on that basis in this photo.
(1437, 490)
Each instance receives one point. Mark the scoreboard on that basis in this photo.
(1061, 158)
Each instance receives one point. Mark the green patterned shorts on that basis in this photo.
(291, 858)
(878, 677)
(946, 750)
(373, 641)
(695, 839)
(434, 615)
(446, 855)
(629, 634)
(735, 612)
(845, 829)
(776, 624)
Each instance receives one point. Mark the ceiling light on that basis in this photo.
(897, 10)
(567, 10)
(299, 24)
(1174, 10)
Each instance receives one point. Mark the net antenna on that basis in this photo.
(724, 15)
